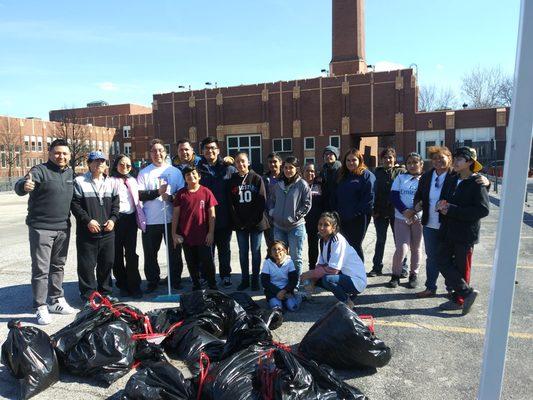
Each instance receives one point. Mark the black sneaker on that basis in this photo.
(176, 286)
(374, 272)
(413, 281)
(245, 284)
(226, 282)
(394, 281)
(151, 287)
(469, 300)
(451, 305)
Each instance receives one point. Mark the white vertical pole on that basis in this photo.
(517, 155)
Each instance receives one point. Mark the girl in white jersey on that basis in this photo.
(346, 274)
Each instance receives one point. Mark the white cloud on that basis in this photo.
(387, 66)
(440, 67)
(108, 86)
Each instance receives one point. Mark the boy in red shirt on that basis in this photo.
(193, 224)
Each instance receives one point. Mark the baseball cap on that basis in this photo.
(96, 155)
(469, 153)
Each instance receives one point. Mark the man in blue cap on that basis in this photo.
(96, 207)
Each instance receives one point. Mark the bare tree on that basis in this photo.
(487, 87)
(426, 98)
(429, 98)
(78, 137)
(11, 146)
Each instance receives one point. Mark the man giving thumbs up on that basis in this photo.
(50, 188)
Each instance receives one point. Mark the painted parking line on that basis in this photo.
(491, 265)
(447, 328)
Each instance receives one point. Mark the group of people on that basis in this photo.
(196, 202)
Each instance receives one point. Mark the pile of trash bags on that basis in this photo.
(225, 340)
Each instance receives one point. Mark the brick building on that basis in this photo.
(132, 124)
(24, 142)
(351, 107)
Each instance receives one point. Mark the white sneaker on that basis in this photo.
(61, 307)
(42, 315)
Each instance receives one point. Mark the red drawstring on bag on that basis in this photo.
(204, 370)
(368, 320)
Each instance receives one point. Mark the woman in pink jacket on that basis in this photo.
(127, 276)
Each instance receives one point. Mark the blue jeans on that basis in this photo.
(295, 239)
(249, 240)
(340, 285)
(431, 245)
(291, 304)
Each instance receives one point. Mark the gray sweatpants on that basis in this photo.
(48, 251)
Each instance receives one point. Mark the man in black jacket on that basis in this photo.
(50, 187)
(462, 206)
(328, 176)
(383, 211)
(96, 206)
(215, 174)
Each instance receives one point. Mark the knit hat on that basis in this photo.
(333, 150)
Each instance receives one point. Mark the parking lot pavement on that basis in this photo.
(435, 355)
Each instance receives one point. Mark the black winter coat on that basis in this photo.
(469, 202)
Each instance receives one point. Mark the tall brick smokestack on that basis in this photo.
(348, 34)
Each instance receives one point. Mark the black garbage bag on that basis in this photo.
(89, 319)
(246, 331)
(342, 340)
(158, 381)
(106, 353)
(273, 318)
(188, 341)
(234, 377)
(266, 371)
(162, 319)
(289, 376)
(86, 321)
(216, 310)
(148, 352)
(29, 355)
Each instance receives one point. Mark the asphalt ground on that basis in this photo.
(436, 355)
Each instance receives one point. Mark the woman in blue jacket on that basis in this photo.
(354, 198)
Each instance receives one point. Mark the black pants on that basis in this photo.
(454, 261)
(354, 231)
(151, 244)
(196, 255)
(222, 244)
(96, 253)
(127, 275)
(312, 243)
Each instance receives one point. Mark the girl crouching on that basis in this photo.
(345, 274)
(279, 278)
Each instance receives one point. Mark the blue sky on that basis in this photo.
(56, 54)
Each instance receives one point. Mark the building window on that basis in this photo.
(282, 145)
(127, 149)
(426, 139)
(167, 148)
(27, 143)
(39, 143)
(309, 143)
(33, 143)
(117, 147)
(251, 144)
(126, 131)
(27, 163)
(335, 141)
(309, 160)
